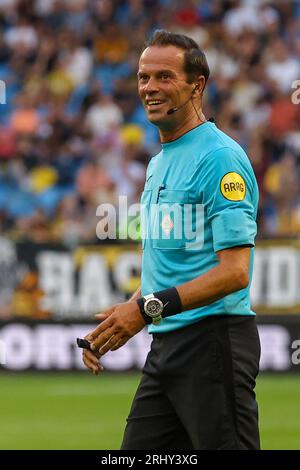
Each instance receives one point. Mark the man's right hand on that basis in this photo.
(91, 358)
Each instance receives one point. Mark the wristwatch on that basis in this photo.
(153, 307)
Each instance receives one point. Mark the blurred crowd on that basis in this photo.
(73, 133)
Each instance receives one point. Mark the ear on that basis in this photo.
(195, 91)
(199, 86)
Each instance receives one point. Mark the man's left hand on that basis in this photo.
(118, 325)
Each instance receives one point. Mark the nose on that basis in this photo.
(151, 86)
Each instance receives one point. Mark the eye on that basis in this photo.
(143, 78)
(165, 76)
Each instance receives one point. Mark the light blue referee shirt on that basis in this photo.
(200, 197)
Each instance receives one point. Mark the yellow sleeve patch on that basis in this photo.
(233, 186)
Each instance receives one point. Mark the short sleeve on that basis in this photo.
(230, 197)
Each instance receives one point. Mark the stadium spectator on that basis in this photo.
(283, 188)
(103, 116)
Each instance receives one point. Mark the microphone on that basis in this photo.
(173, 110)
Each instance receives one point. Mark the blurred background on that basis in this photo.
(73, 135)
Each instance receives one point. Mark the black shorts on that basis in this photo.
(197, 388)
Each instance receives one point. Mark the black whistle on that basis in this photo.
(83, 343)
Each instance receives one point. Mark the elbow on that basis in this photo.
(242, 278)
(237, 279)
(235, 267)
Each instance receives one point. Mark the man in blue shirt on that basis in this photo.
(199, 209)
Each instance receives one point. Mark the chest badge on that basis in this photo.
(167, 224)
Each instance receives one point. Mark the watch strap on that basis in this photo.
(141, 302)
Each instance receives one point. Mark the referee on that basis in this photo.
(199, 210)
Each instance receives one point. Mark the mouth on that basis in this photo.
(153, 105)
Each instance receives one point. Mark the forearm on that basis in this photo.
(211, 286)
(230, 275)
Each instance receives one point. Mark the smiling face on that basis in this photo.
(163, 85)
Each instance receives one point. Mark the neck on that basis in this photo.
(177, 129)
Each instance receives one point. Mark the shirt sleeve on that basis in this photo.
(230, 197)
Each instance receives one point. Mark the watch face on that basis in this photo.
(153, 307)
